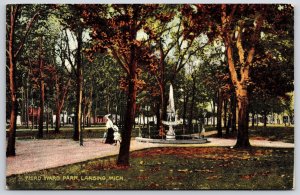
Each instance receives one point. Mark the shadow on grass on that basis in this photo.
(271, 133)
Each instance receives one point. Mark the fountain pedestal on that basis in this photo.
(170, 134)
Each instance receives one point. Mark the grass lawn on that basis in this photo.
(172, 168)
(66, 132)
(271, 132)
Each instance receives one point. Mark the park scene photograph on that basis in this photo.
(150, 97)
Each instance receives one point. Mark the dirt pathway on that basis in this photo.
(34, 155)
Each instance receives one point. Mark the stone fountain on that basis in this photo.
(171, 122)
(171, 116)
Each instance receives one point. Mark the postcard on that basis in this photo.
(150, 96)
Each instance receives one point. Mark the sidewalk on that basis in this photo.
(34, 155)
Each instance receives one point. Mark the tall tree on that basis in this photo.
(79, 86)
(61, 90)
(117, 33)
(246, 45)
(74, 27)
(240, 84)
(15, 46)
(42, 88)
(174, 52)
(241, 26)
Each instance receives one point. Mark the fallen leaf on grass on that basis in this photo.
(204, 170)
(182, 170)
(153, 185)
(214, 177)
(245, 158)
(224, 165)
(247, 177)
(142, 177)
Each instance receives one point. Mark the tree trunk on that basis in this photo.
(265, 119)
(123, 158)
(157, 113)
(11, 151)
(42, 91)
(59, 102)
(95, 111)
(32, 122)
(219, 113)
(240, 82)
(47, 119)
(162, 110)
(23, 105)
(162, 85)
(83, 119)
(51, 120)
(79, 88)
(57, 120)
(89, 108)
(12, 58)
(225, 113)
(214, 113)
(229, 123)
(233, 111)
(191, 116)
(242, 136)
(207, 119)
(228, 126)
(27, 104)
(253, 119)
(185, 102)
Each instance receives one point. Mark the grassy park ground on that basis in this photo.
(271, 132)
(174, 167)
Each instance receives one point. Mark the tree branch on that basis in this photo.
(180, 64)
(230, 60)
(119, 60)
(254, 39)
(226, 38)
(239, 44)
(28, 27)
(174, 43)
(69, 54)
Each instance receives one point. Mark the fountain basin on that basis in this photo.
(188, 140)
(170, 123)
(170, 137)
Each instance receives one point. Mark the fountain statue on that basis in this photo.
(172, 121)
(171, 116)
